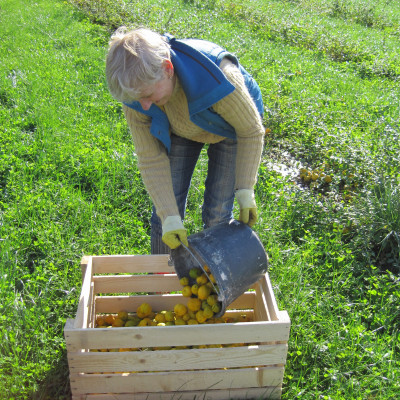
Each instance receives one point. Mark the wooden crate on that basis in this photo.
(252, 370)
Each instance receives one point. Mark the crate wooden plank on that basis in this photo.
(69, 325)
(81, 320)
(159, 302)
(271, 393)
(245, 301)
(84, 262)
(261, 307)
(177, 381)
(187, 359)
(131, 264)
(269, 296)
(136, 283)
(185, 335)
(91, 317)
(284, 317)
(113, 304)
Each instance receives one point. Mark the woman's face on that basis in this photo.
(160, 92)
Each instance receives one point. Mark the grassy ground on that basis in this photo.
(69, 186)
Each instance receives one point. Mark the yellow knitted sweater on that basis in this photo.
(238, 109)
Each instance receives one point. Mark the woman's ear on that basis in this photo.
(168, 68)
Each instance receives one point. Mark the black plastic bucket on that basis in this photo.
(232, 251)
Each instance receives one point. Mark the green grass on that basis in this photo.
(69, 185)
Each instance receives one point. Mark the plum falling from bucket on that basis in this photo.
(232, 251)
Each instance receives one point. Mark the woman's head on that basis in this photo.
(136, 61)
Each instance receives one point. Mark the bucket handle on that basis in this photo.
(201, 266)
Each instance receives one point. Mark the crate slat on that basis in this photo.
(271, 393)
(114, 264)
(136, 283)
(112, 304)
(82, 315)
(186, 335)
(164, 360)
(177, 381)
(261, 306)
(269, 296)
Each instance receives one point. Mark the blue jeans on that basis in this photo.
(219, 185)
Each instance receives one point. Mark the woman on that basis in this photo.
(179, 95)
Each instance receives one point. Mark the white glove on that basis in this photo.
(248, 206)
(173, 232)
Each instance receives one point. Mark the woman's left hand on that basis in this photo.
(248, 206)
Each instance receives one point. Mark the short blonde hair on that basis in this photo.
(134, 60)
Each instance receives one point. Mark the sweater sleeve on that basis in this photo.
(239, 110)
(153, 164)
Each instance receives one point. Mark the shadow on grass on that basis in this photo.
(56, 384)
